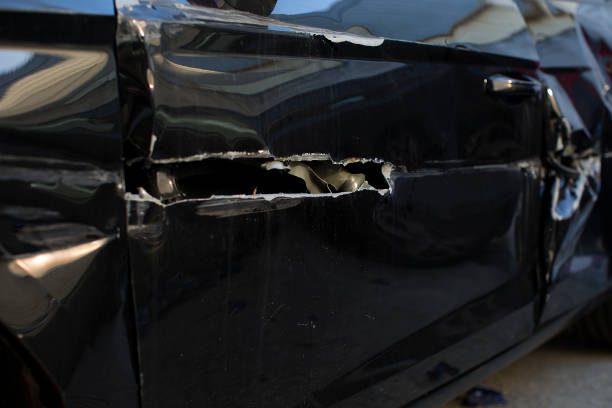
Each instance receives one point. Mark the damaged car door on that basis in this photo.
(573, 42)
(330, 203)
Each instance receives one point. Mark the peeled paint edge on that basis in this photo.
(265, 154)
(231, 155)
(152, 145)
(355, 39)
(144, 197)
(236, 16)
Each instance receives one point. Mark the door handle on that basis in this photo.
(504, 85)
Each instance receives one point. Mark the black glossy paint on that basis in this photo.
(491, 230)
(269, 308)
(292, 92)
(63, 265)
(327, 300)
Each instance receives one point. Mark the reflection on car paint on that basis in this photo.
(329, 203)
(63, 258)
(213, 92)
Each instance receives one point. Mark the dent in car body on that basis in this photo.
(569, 42)
(63, 261)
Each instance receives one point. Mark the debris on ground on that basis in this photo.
(481, 396)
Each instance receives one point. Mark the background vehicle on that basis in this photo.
(282, 204)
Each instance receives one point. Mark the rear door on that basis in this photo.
(63, 250)
(332, 203)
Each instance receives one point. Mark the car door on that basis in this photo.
(63, 251)
(330, 203)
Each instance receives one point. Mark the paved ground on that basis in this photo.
(556, 376)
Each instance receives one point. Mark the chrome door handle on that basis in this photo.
(504, 85)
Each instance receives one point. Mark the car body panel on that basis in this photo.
(298, 203)
(64, 272)
(325, 300)
(570, 44)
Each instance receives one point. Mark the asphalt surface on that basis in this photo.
(556, 376)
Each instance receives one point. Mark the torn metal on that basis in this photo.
(570, 193)
(259, 175)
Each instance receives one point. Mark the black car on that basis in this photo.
(297, 203)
